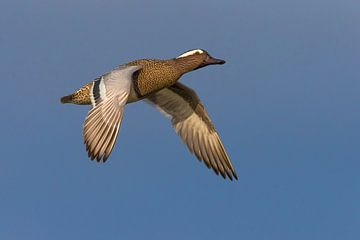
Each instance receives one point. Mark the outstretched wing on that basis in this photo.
(192, 123)
(109, 94)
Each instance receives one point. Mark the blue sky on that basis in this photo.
(286, 105)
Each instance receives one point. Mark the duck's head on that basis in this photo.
(198, 58)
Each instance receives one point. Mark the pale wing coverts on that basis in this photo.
(192, 123)
(109, 94)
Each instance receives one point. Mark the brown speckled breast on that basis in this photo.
(154, 75)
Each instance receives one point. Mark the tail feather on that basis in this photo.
(80, 97)
(67, 99)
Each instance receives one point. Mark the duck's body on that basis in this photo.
(155, 74)
(156, 82)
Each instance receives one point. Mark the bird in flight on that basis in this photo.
(156, 82)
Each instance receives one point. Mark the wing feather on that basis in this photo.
(103, 121)
(192, 123)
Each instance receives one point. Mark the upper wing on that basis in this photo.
(108, 94)
(192, 123)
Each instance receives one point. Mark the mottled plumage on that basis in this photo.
(155, 81)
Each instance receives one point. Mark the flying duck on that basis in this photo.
(154, 81)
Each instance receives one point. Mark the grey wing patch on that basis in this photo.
(192, 123)
(108, 95)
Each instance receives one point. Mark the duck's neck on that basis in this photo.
(187, 64)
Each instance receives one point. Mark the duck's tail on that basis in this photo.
(67, 99)
(80, 97)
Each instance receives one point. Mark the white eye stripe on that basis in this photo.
(191, 52)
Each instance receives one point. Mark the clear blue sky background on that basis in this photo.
(286, 105)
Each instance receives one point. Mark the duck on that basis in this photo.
(156, 82)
